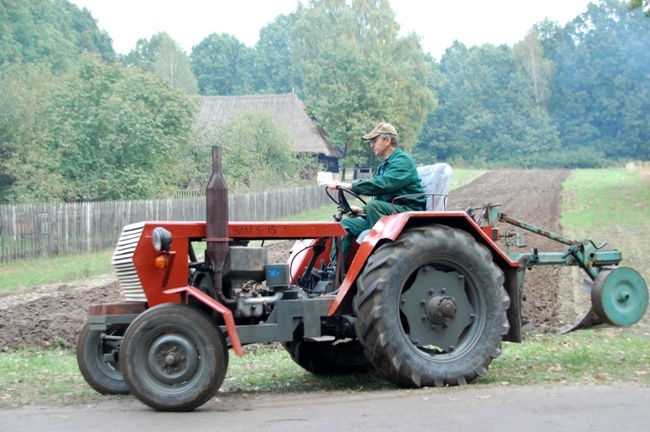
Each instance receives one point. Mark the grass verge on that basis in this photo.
(612, 205)
(589, 357)
(596, 198)
(18, 276)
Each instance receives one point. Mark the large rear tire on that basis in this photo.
(174, 358)
(431, 308)
(98, 359)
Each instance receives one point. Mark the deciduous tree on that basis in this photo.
(29, 158)
(256, 153)
(275, 65)
(487, 112)
(49, 31)
(529, 55)
(223, 66)
(122, 133)
(357, 71)
(601, 93)
(162, 55)
(643, 4)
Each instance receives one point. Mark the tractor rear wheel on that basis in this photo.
(174, 358)
(338, 357)
(98, 359)
(431, 308)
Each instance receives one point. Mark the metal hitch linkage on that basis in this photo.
(619, 295)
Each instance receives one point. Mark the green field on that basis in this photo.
(21, 275)
(612, 204)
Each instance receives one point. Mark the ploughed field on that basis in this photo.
(53, 315)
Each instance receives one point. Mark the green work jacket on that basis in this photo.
(396, 176)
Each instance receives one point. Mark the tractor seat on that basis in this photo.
(436, 180)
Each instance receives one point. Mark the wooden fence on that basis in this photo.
(38, 230)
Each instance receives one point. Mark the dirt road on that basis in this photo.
(493, 408)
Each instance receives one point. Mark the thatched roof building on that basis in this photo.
(290, 113)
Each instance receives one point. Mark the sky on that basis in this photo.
(437, 22)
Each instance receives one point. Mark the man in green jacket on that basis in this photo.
(396, 176)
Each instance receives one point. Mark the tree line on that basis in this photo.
(79, 121)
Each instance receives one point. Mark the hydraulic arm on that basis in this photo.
(619, 295)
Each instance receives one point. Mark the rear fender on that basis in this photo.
(388, 228)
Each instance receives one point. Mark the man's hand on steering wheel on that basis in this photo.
(337, 184)
(342, 202)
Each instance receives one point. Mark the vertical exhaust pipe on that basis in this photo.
(216, 229)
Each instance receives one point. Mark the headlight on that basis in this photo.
(162, 239)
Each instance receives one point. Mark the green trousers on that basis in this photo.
(375, 209)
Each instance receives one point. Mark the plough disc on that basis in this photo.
(619, 297)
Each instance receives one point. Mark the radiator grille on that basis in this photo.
(123, 263)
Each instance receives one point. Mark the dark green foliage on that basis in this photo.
(162, 56)
(577, 96)
(52, 31)
(29, 163)
(122, 134)
(97, 132)
(487, 112)
(76, 125)
(223, 66)
(644, 4)
(573, 159)
(601, 93)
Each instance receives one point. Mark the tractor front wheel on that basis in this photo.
(98, 359)
(174, 358)
(431, 308)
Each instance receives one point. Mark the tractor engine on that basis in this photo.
(251, 285)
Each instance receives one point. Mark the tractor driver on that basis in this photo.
(396, 176)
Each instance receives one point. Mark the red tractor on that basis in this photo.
(426, 300)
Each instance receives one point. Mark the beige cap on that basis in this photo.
(381, 128)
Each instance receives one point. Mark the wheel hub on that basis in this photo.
(440, 308)
(437, 310)
(173, 358)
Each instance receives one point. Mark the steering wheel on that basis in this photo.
(342, 202)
